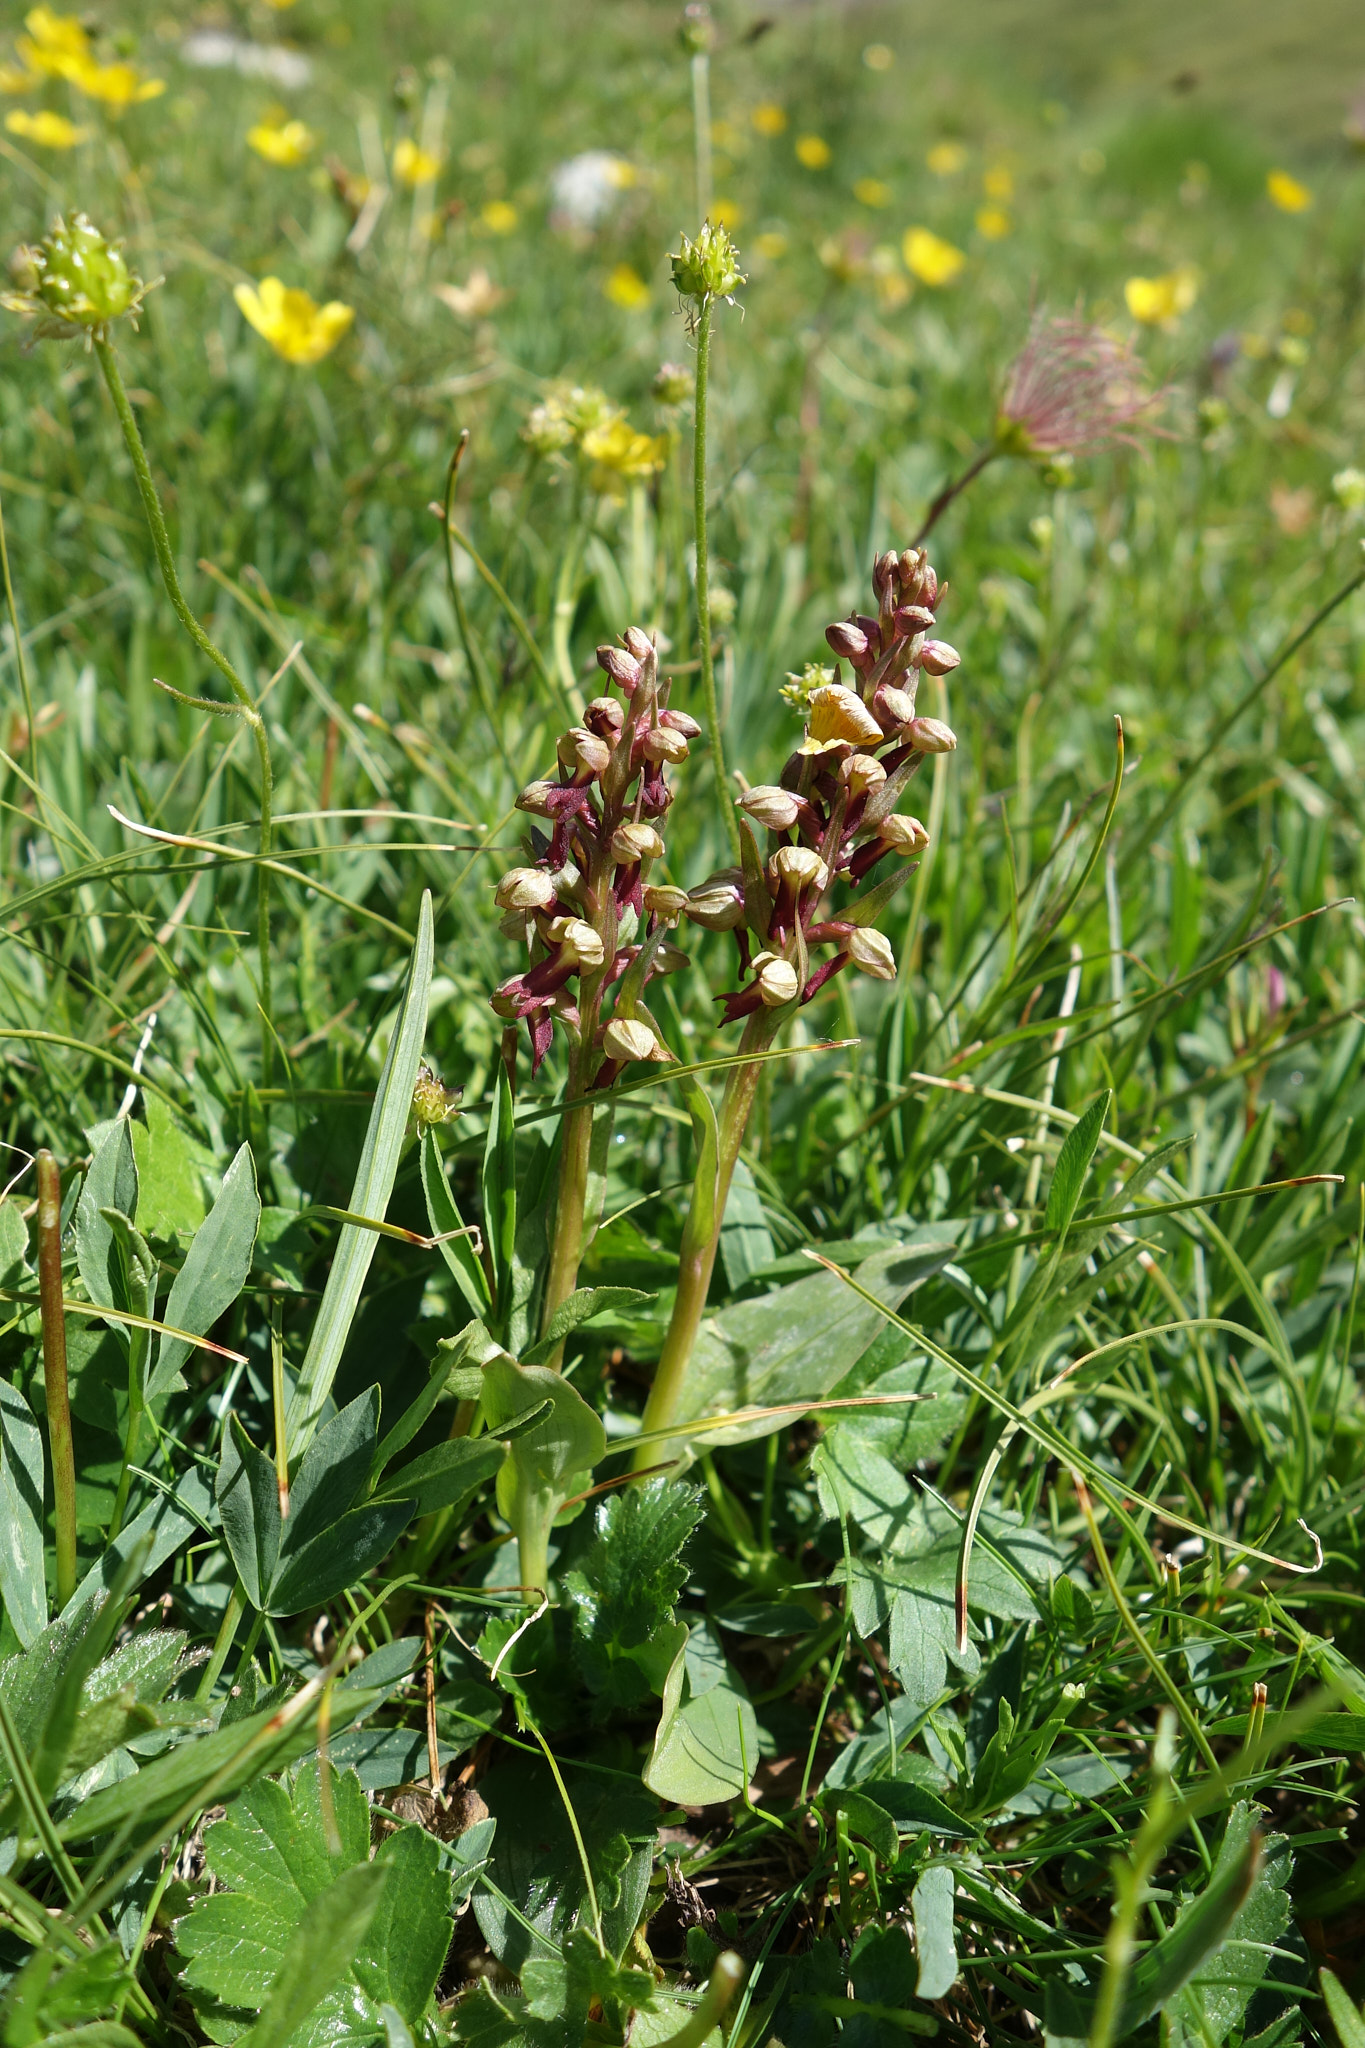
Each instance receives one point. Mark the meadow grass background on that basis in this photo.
(1158, 583)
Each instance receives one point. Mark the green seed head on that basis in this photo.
(707, 268)
(78, 278)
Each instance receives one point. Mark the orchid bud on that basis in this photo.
(860, 773)
(631, 843)
(884, 572)
(503, 1001)
(778, 983)
(718, 903)
(768, 805)
(623, 668)
(583, 751)
(837, 714)
(938, 658)
(661, 743)
(931, 736)
(536, 798)
(625, 1038)
(898, 705)
(669, 959)
(578, 943)
(680, 721)
(913, 618)
(638, 643)
(906, 835)
(525, 889)
(849, 640)
(605, 717)
(870, 952)
(665, 902)
(799, 866)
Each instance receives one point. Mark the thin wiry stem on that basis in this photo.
(245, 706)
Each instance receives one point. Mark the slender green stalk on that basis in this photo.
(54, 1372)
(701, 1238)
(277, 1396)
(954, 490)
(227, 1629)
(1131, 1881)
(20, 658)
(245, 706)
(137, 1364)
(727, 1974)
(708, 670)
(566, 1250)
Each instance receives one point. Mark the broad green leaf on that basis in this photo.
(271, 1859)
(337, 1557)
(931, 1909)
(1345, 2016)
(330, 1929)
(868, 1820)
(369, 1194)
(706, 1748)
(445, 1476)
(443, 1216)
(622, 1592)
(328, 1478)
(171, 1167)
(214, 1272)
(110, 1183)
(1073, 1164)
(881, 1969)
(498, 1187)
(248, 1497)
(799, 1341)
(22, 1584)
(568, 1439)
(746, 1244)
(581, 1306)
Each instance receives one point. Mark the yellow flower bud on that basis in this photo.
(907, 835)
(861, 773)
(663, 901)
(661, 743)
(718, 903)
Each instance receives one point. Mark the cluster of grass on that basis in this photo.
(1028, 1707)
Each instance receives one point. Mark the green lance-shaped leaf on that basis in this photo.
(544, 1462)
(370, 1194)
(215, 1269)
(1346, 2019)
(931, 1908)
(499, 1190)
(444, 1217)
(22, 1585)
(248, 1491)
(446, 1476)
(110, 1183)
(581, 1306)
(1073, 1164)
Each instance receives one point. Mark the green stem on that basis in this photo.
(727, 1974)
(227, 1629)
(700, 1240)
(54, 1372)
(132, 1435)
(567, 1248)
(708, 671)
(161, 546)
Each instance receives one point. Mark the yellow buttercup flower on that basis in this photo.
(119, 86)
(1287, 193)
(49, 131)
(998, 182)
(994, 223)
(499, 217)
(621, 453)
(287, 144)
(414, 166)
(726, 213)
(18, 78)
(1157, 301)
(813, 151)
(296, 327)
(946, 159)
(769, 119)
(872, 192)
(53, 42)
(626, 288)
(929, 258)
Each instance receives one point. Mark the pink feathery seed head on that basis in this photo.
(1073, 389)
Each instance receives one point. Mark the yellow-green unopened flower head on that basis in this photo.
(78, 278)
(709, 267)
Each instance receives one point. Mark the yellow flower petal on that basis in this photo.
(286, 145)
(296, 327)
(998, 182)
(946, 159)
(929, 258)
(1158, 300)
(48, 130)
(626, 288)
(499, 217)
(769, 119)
(813, 151)
(726, 213)
(872, 192)
(994, 223)
(1287, 193)
(414, 166)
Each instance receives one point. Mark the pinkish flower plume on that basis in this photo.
(1073, 389)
